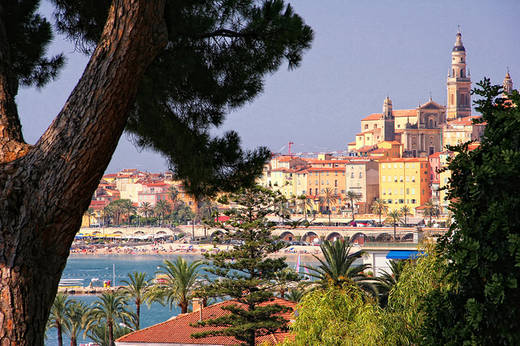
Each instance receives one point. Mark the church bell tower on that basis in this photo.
(388, 118)
(459, 83)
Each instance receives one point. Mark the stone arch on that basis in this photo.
(384, 237)
(287, 236)
(139, 233)
(310, 236)
(407, 236)
(160, 232)
(334, 236)
(358, 238)
(216, 234)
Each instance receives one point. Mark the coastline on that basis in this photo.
(173, 249)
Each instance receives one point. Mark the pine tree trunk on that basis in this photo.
(44, 193)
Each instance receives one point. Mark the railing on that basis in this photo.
(390, 244)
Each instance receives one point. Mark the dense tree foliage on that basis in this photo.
(221, 51)
(246, 273)
(483, 245)
(339, 316)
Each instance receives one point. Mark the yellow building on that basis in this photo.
(404, 181)
(444, 177)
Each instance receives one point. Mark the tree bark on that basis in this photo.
(44, 193)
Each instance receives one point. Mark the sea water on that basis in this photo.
(103, 267)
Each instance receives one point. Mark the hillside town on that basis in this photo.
(399, 158)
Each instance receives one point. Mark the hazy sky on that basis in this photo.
(362, 51)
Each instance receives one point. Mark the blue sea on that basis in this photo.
(103, 267)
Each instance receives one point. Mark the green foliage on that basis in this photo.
(406, 310)
(138, 289)
(338, 266)
(483, 244)
(217, 55)
(116, 209)
(181, 278)
(28, 35)
(58, 315)
(339, 316)
(99, 333)
(386, 282)
(245, 272)
(106, 314)
(76, 320)
(379, 207)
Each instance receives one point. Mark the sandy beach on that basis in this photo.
(305, 252)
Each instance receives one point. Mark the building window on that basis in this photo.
(335, 183)
(360, 175)
(384, 178)
(413, 191)
(352, 175)
(413, 201)
(401, 201)
(366, 126)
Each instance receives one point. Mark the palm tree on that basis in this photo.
(90, 213)
(99, 333)
(76, 320)
(146, 209)
(57, 318)
(173, 193)
(405, 210)
(388, 280)
(338, 266)
(394, 216)
(353, 196)
(162, 207)
(139, 290)
(295, 295)
(379, 207)
(303, 205)
(180, 282)
(329, 197)
(110, 309)
(431, 209)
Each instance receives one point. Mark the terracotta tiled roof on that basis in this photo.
(325, 169)
(406, 159)
(178, 330)
(466, 121)
(434, 155)
(395, 113)
(373, 116)
(404, 113)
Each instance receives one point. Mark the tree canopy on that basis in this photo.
(221, 51)
(483, 244)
